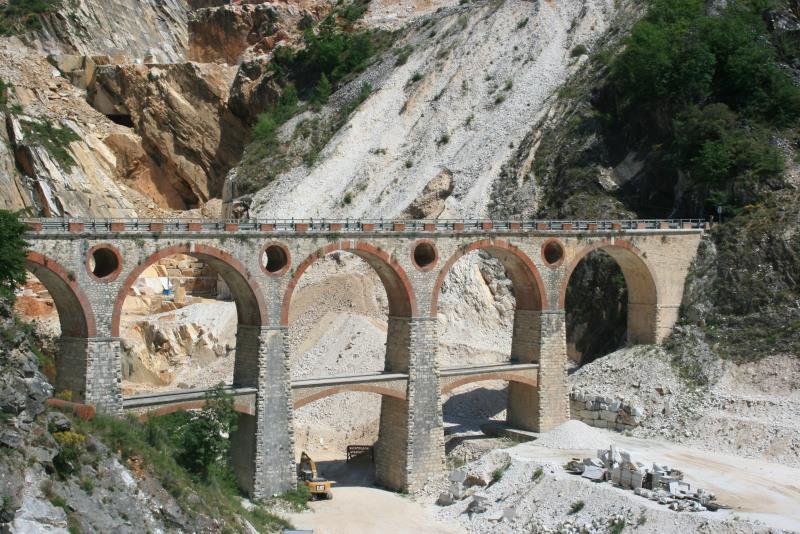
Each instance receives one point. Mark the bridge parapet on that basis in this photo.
(347, 226)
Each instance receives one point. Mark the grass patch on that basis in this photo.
(617, 528)
(297, 498)
(537, 474)
(576, 507)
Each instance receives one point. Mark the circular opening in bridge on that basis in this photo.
(425, 255)
(104, 262)
(275, 259)
(553, 253)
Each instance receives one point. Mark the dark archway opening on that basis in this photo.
(596, 306)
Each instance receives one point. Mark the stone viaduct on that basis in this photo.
(89, 266)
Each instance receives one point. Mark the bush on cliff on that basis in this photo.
(13, 250)
(699, 91)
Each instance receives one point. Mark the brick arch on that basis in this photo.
(402, 301)
(529, 288)
(74, 311)
(190, 405)
(508, 377)
(250, 306)
(639, 278)
(379, 390)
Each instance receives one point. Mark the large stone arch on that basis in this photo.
(335, 390)
(250, 306)
(529, 288)
(402, 301)
(74, 311)
(641, 282)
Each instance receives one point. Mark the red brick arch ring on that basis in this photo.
(529, 288)
(250, 306)
(639, 277)
(191, 405)
(508, 377)
(379, 390)
(74, 311)
(402, 302)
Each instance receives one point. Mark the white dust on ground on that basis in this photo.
(573, 435)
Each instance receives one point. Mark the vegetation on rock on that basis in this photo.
(23, 15)
(54, 139)
(13, 250)
(699, 91)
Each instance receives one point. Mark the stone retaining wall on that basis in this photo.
(605, 412)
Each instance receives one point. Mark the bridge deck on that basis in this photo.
(57, 226)
(162, 398)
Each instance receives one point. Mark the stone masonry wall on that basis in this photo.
(605, 412)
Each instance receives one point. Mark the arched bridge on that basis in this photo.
(89, 267)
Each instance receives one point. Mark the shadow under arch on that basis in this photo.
(506, 377)
(641, 283)
(74, 311)
(399, 291)
(392, 447)
(250, 306)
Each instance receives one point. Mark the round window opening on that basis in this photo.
(424, 255)
(553, 252)
(274, 259)
(103, 262)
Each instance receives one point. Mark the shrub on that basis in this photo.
(54, 139)
(3, 93)
(578, 50)
(403, 54)
(23, 15)
(522, 23)
(701, 90)
(322, 91)
(13, 251)
(576, 507)
(443, 139)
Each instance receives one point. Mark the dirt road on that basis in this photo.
(359, 510)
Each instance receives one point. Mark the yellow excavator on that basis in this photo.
(319, 487)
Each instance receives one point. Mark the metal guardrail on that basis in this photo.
(345, 226)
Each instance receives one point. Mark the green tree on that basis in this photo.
(13, 250)
(202, 441)
(322, 91)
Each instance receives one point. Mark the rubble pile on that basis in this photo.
(658, 483)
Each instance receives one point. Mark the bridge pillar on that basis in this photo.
(90, 369)
(262, 452)
(553, 390)
(523, 399)
(410, 448)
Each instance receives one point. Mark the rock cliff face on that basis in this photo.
(181, 113)
(151, 31)
(54, 151)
